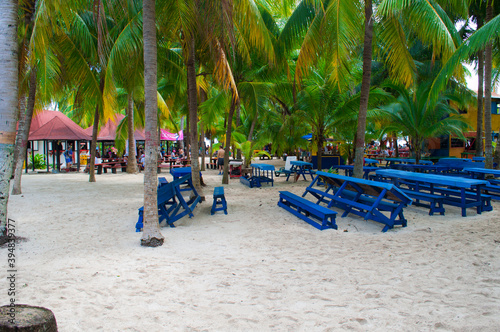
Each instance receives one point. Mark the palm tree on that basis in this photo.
(365, 91)
(37, 55)
(473, 44)
(340, 22)
(8, 102)
(125, 68)
(414, 116)
(151, 235)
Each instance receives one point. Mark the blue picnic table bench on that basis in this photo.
(493, 187)
(378, 201)
(219, 203)
(171, 204)
(349, 169)
(371, 162)
(261, 173)
(457, 191)
(312, 213)
(299, 168)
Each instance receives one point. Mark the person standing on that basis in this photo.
(68, 155)
(220, 159)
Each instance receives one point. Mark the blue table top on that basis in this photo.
(409, 161)
(179, 171)
(478, 159)
(371, 161)
(300, 163)
(478, 170)
(426, 167)
(384, 185)
(453, 181)
(352, 167)
(264, 167)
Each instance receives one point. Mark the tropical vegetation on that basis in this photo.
(245, 73)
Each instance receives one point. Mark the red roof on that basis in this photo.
(108, 130)
(54, 125)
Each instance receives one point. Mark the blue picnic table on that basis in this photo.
(179, 172)
(261, 173)
(371, 162)
(393, 162)
(349, 169)
(493, 188)
(299, 168)
(171, 204)
(457, 191)
(429, 168)
(368, 199)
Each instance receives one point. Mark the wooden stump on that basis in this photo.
(26, 318)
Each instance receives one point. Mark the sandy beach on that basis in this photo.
(259, 268)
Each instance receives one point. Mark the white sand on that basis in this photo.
(259, 268)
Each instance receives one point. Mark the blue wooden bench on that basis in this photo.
(306, 210)
(435, 201)
(455, 195)
(493, 189)
(171, 204)
(219, 199)
(162, 181)
(368, 199)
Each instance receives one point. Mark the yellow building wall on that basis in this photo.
(471, 117)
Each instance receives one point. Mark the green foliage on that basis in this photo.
(248, 152)
(39, 161)
(413, 116)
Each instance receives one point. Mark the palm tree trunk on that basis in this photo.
(151, 235)
(234, 102)
(203, 98)
(202, 145)
(320, 152)
(132, 158)
(8, 101)
(365, 91)
(23, 133)
(252, 127)
(238, 124)
(480, 98)
(20, 117)
(488, 147)
(93, 145)
(193, 118)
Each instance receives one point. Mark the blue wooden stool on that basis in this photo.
(219, 199)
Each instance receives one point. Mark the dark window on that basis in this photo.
(495, 107)
(444, 142)
(457, 143)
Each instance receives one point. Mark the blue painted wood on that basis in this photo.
(435, 201)
(306, 210)
(454, 196)
(371, 162)
(300, 168)
(162, 181)
(434, 182)
(219, 199)
(171, 204)
(261, 173)
(348, 169)
(368, 199)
